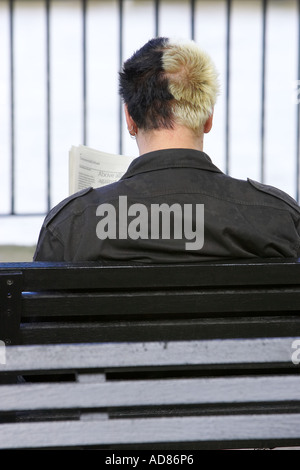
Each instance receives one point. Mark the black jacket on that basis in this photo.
(242, 219)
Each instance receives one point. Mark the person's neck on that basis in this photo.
(179, 137)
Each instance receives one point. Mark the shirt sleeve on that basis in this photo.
(49, 247)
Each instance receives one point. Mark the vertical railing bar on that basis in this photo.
(120, 63)
(193, 19)
(227, 111)
(12, 106)
(156, 20)
(298, 116)
(84, 71)
(263, 91)
(48, 111)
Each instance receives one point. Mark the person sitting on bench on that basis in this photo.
(173, 204)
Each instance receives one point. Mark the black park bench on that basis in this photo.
(135, 356)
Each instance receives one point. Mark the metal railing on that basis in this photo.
(84, 6)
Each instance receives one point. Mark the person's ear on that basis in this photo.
(131, 125)
(208, 124)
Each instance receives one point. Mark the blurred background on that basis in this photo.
(59, 87)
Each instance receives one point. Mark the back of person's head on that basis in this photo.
(166, 83)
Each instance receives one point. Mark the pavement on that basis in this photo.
(16, 253)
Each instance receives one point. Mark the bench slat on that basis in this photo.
(151, 430)
(109, 355)
(162, 302)
(94, 275)
(151, 392)
(173, 329)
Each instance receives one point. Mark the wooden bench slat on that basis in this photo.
(108, 355)
(174, 329)
(151, 430)
(151, 392)
(94, 275)
(161, 302)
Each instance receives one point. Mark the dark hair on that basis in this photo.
(143, 86)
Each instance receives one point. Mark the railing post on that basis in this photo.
(12, 106)
(120, 65)
(263, 90)
(48, 111)
(227, 111)
(84, 71)
(298, 115)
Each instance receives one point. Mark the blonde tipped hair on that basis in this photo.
(193, 82)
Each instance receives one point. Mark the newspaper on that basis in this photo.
(90, 167)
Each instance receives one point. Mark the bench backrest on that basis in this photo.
(60, 302)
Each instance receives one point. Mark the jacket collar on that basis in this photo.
(170, 158)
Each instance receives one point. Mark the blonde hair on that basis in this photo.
(193, 82)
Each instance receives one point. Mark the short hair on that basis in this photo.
(167, 82)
